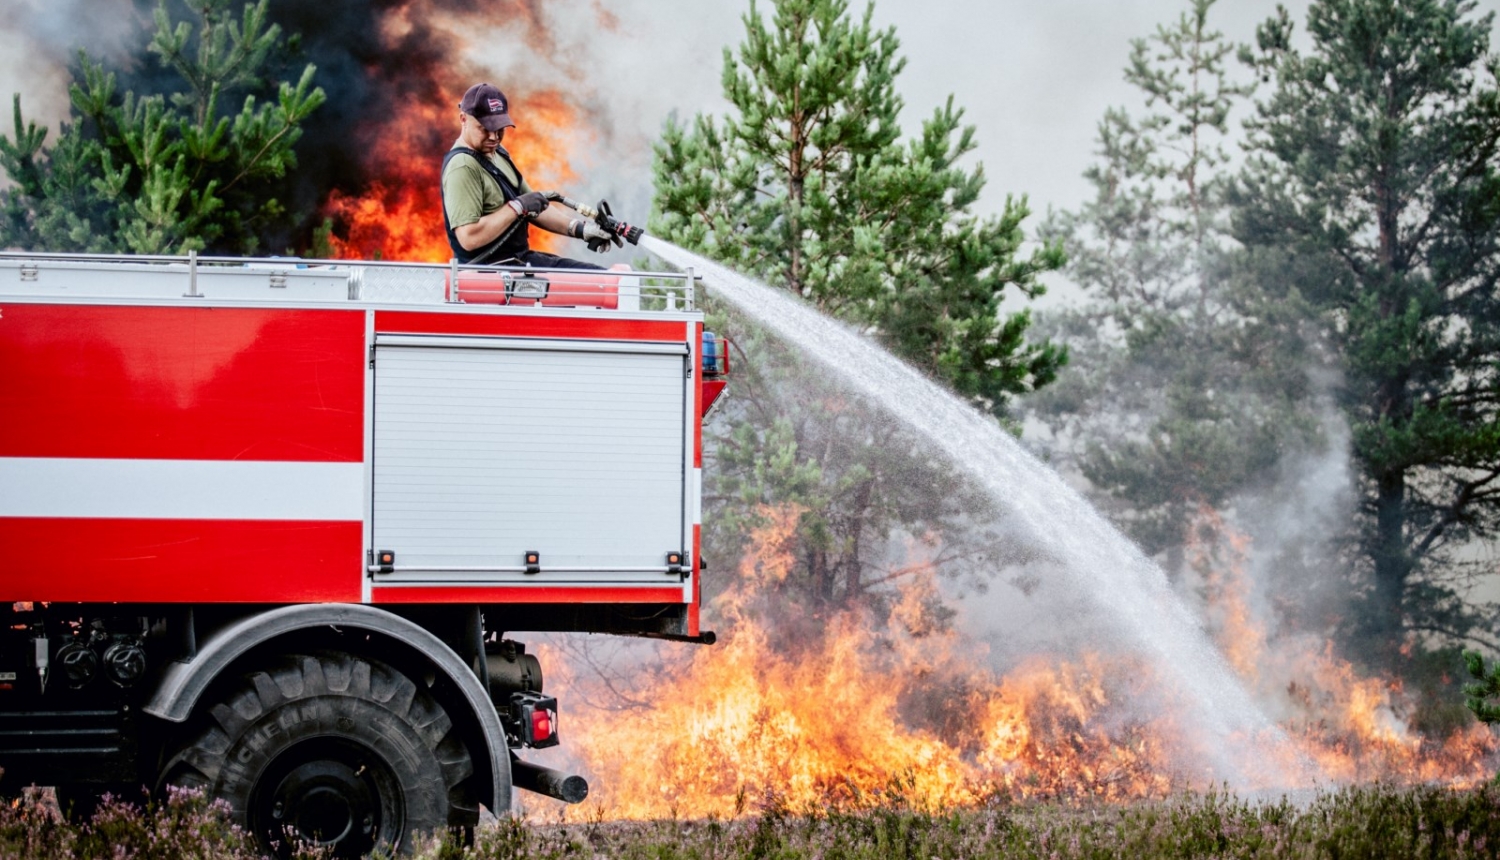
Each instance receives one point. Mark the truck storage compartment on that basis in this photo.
(524, 461)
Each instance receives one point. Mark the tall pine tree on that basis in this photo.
(808, 185)
(1372, 195)
(1169, 405)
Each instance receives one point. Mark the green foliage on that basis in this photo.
(1370, 197)
(1483, 695)
(1175, 399)
(808, 186)
(155, 173)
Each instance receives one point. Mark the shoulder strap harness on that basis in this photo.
(508, 244)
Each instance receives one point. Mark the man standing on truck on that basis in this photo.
(487, 204)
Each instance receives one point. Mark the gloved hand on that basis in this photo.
(529, 205)
(598, 238)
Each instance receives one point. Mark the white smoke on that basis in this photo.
(38, 38)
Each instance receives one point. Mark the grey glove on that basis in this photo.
(529, 205)
(597, 237)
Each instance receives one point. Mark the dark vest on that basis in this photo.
(509, 244)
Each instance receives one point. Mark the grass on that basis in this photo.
(1364, 822)
(1368, 822)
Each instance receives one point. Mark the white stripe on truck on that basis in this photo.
(180, 489)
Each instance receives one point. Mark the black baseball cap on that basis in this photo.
(488, 105)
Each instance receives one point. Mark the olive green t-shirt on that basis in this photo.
(470, 193)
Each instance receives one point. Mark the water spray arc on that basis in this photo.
(1240, 745)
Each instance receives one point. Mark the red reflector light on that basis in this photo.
(533, 719)
(542, 725)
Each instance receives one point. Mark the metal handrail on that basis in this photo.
(306, 261)
(682, 285)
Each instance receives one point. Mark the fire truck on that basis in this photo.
(267, 527)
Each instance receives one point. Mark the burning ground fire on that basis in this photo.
(893, 709)
(1353, 727)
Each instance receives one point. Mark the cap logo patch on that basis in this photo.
(497, 106)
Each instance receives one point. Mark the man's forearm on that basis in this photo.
(556, 218)
(487, 229)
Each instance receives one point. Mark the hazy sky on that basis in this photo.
(1033, 77)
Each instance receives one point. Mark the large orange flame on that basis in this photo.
(883, 707)
(1355, 728)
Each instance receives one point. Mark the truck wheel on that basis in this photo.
(342, 752)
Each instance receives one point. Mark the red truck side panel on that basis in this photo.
(217, 454)
(182, 383)
(174, 408)
(179, 561)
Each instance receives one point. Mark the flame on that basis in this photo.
(1355, 728)
(870, 707)
(867, 710)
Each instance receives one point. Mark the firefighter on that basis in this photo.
(487, 203)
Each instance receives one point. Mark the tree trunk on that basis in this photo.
(1392, 564)
(854, 586)
(796, 184)
(822, 575)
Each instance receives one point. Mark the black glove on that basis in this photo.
(529, 205)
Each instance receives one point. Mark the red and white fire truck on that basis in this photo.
(265, 525)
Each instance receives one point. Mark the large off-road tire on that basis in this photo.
(332, 749)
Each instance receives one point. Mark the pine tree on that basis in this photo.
(1482, 694)
(808, 185)
(154, 173)
(1372, 195)
(1169, 404)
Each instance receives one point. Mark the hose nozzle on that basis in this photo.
(602, 216)
(606, 219)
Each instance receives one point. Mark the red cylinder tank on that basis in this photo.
(581, 289)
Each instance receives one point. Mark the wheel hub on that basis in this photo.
(324, 801)
(331, 793)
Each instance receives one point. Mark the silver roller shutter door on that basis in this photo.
(573, 450)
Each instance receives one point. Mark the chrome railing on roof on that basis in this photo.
(375, 282)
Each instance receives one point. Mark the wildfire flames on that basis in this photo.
(1353, 727)
(890, 709)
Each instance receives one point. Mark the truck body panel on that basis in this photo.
(256, 433)
(266, 524)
